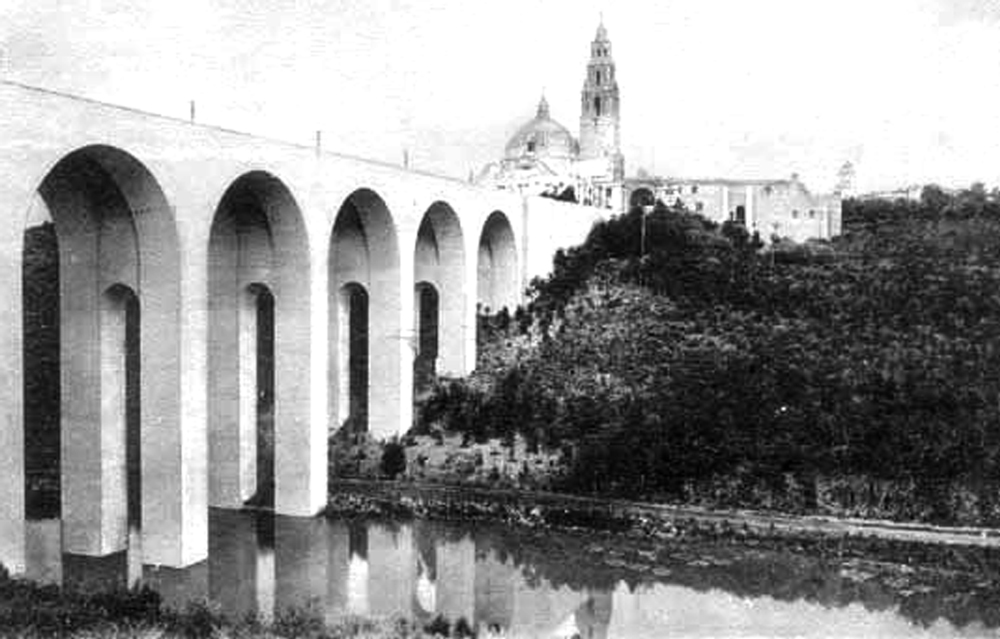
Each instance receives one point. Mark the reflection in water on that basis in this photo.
(47, 564)
(43, 548)
(233, 546)
(499, 583)
(357, 569)
(133, 556)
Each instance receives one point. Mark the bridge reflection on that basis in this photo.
(499, 582)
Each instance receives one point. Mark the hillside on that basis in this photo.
(854, 377)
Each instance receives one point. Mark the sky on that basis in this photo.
(907, 90)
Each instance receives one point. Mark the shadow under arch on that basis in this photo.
(497, 286)
(426, 302)
(439, 262)
(100, 237)
(353, 375)
(259, 350)
(364, 251)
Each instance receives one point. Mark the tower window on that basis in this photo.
(598, 77)
(531, 146)
(597, 105)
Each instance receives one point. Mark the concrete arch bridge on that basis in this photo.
(210, 281)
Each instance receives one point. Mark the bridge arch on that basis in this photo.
(439, 294)
(364, 269)
(497, 269)
(258, 350)
(99, 242)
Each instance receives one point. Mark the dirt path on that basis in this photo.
(757, 520)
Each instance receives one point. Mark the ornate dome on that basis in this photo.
(542, 137)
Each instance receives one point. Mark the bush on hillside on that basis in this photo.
(707, 357)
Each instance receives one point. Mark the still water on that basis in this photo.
(516, 583)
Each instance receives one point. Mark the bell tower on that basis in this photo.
(600, 130)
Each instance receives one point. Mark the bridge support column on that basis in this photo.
(174, 417)
(175, 454)
(470, 315)
(11, 382)
(407, 344)
(300, 452)
(93, 429)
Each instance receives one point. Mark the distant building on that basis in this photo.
(543, 156)
(782, 208)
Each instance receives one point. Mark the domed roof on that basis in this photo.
(542, 137)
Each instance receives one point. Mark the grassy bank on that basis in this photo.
(560, 511)
(450, 459)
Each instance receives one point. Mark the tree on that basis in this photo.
(393, 461)
(933, 198)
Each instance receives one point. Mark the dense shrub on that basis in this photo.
(710, 356)
(393, 461)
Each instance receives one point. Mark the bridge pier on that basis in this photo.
(175, 483)
(12, 479)
(406, 341)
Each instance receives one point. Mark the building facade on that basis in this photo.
(782, 208)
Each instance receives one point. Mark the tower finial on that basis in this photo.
(602, 32)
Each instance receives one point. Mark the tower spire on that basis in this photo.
(599, 104)
(602, 32)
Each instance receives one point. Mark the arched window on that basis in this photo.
(598, 77)
(597, 105)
